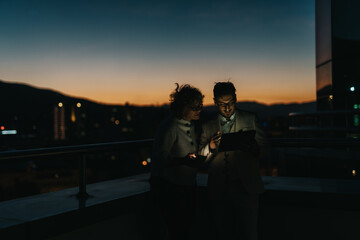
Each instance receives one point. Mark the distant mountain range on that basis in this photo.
(16, 96)
(23, 94)
(31, 111)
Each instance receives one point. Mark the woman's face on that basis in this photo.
(193, 112)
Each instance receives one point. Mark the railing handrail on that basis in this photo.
(325, 112)
(322, 129)
(87, 148)
(314, 142)
(82, 150)
(35, 152)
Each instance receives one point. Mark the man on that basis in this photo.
(234, 182)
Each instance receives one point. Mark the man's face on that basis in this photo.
(226, 105)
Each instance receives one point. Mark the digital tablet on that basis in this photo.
(200, 158)
(236, 141)
(196, 162)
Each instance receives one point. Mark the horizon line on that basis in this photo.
(150, 104)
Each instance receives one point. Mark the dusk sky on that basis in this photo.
(135, 51)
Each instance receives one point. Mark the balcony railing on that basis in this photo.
(286, 146)
(339, 121)
(82, 151)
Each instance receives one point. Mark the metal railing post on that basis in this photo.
(82, 178)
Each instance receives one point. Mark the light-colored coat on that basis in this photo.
(175, 138)
(233, 165)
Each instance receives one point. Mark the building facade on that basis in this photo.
(338, 54)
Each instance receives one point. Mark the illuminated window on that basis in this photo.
(73, 116)
(8, 132)
(356, 120)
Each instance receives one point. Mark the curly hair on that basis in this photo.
(184, 96)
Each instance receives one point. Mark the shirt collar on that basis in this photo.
(223, 120)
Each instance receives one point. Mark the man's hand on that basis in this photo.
(215, 140)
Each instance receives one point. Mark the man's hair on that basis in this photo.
(183, 97)
(224, 88)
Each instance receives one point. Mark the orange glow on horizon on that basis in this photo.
(265, 88)
(163, 99)
(157, 94)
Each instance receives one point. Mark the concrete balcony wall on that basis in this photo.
(290, 208)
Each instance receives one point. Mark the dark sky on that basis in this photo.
(118, 51)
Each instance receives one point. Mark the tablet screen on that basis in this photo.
(236, 141)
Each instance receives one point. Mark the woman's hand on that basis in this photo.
(191, 155)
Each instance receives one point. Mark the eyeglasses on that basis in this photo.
(196, 107)
(224, 105)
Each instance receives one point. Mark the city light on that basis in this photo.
(144, 163)
(117, 122)
(2, 128)
(8, 132)
(78, 105)
(60, 104)
(331, 97)
(73, 116)
(352, 89)
(354, 173)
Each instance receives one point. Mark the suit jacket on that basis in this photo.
(236, 165)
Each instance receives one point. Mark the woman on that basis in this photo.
(174, 162)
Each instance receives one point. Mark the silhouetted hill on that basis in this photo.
(269, 111)
(30, 111)
(277, 110)
(15, 97)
